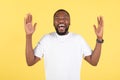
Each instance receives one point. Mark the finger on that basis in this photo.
(101, 21)
(24, 21)
(29, 18)
(95, 28)
(98, 20)
(35, 25)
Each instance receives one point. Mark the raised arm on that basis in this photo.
(29, 29)
(94, 58)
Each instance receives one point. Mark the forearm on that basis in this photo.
(94, 58)
(29, 50)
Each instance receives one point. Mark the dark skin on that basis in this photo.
(61, 22)
(94, 58)
(63, 19)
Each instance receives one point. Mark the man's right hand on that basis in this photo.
(29, 28)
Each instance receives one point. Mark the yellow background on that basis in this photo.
(83, 15)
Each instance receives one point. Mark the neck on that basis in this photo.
(63, 34)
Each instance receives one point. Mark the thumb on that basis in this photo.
(95, 28)
(35, 25)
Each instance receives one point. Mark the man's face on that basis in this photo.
(61, 22)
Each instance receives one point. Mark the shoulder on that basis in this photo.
(47, 36)
(78, 36)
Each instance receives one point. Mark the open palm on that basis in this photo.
(99, 29)
(29, 28)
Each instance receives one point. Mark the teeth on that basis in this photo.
(61, 24)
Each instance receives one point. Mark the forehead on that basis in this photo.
(61, 13)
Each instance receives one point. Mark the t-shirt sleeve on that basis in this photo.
(86, 48)
(39, 49)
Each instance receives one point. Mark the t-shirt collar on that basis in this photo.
(62, 36)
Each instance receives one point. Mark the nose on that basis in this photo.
(61, 20)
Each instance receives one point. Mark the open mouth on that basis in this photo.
(61, 27)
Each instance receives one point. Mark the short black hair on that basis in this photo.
(63, 11)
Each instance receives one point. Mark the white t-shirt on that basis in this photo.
(62, 55)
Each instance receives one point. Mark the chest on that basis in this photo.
(63, 51)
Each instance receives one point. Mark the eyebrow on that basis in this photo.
(63, 16)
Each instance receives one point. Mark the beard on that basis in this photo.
(62, 32)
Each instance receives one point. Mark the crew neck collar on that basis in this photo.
(62, 36)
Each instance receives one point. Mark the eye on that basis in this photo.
(64, 18)
(56, 17)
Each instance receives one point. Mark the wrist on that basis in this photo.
(99, 40)
(28, 36)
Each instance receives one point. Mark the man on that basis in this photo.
(62, 50)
